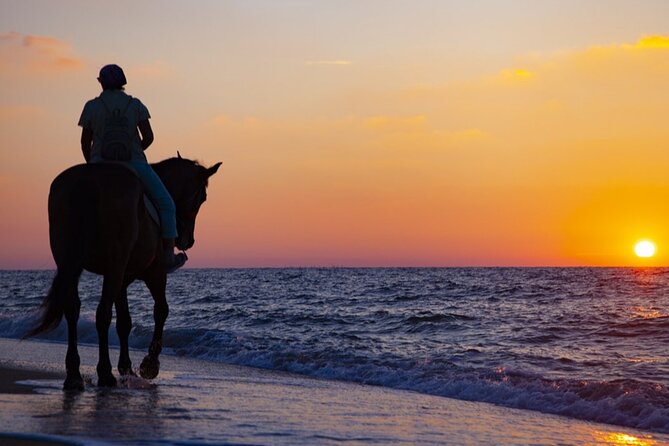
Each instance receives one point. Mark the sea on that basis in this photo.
(586, 343)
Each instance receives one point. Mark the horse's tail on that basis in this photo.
(53, 306)
(71, 226)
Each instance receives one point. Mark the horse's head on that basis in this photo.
(187, 181)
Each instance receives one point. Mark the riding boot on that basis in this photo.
(172, 261)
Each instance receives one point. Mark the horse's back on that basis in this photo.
(93, 214)
(101, 187)
(103, 175)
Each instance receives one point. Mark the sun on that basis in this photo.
(644, 248)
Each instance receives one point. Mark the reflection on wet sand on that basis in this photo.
(112, 413)
(623, 439)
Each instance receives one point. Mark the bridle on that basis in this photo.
(189, 216)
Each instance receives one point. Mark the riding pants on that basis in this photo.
(156, 190)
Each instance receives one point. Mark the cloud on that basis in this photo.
(366, 136)
(591, 112)
(329, 62)
(22, 55)
(155, 70)
(416, 133)
(557, 154)
(394, 122)
(644, 58)
(602, 91)
(516, 74)
(652, 42)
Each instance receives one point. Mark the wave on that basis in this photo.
(17, 327)
(643, 327)
(439, 317)
(630, 403)
(550, 340)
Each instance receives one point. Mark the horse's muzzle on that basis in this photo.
(184, 243)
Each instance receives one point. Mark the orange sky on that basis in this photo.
(368, 146)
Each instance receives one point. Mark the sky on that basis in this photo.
(362, 133)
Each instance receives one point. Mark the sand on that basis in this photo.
(201, 402)
(10, 376)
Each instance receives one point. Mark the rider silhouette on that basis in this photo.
(93, 120)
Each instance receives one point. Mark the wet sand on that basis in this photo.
(10, 376)
(18, 440)
(201, 402)
(9, 384)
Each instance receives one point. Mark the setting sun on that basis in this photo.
(644, 248)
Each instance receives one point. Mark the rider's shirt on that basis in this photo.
(95, 114)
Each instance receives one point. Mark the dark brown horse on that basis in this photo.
(98, 222)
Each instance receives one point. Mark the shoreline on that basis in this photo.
(206, 402)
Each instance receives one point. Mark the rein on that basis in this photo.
(192, 214)
(188, 216)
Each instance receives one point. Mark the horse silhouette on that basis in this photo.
(98, 222)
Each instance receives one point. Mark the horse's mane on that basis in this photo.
(172, 163)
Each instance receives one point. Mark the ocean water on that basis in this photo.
(586, 343)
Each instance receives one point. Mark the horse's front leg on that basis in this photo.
(156, 283)
(111, 287)
(123, 328)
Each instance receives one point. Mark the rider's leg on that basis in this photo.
(167, 211)
(172, 261)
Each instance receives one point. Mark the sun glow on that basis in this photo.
(644, 248)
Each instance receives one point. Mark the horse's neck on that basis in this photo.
(164, 176)
(170, 178)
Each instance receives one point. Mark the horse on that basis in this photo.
(98, 222)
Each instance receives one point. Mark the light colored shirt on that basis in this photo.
(94, 115)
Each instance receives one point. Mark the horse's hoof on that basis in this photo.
(149, 367)
(107, 381)
(73, 382)
(126, 371)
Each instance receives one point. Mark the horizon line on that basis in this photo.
(387, 267)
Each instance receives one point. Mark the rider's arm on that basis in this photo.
(86, 142)
(147, 133)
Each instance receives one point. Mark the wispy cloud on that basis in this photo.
(151, 71)
(23, 54)
(329, 62)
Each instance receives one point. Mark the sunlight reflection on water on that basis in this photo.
(623, 439)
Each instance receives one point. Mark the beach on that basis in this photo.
(201, 402)
(407, 223)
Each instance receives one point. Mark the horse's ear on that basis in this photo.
(213, 169)
(178, 155)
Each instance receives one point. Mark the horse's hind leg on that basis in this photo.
(68, 287)
(111, 287)
(156, 281)
(123, 327)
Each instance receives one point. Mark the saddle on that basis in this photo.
(151, 209)
(150, 206)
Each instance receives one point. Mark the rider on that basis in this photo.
(92, 121)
